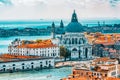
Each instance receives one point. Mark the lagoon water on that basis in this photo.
(5, 41)
(56, 74)
(46, 23)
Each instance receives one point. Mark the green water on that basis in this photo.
(56, 74)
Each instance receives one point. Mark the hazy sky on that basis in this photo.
(58, 9)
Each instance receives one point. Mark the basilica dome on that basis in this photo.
(74, 25)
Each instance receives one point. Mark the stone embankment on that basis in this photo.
(70, 63)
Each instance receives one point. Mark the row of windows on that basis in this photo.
(48, 55)
(35, 51)
(87, 73)
(31, 63)
(112, 68)
(35, 48)
(23, 67)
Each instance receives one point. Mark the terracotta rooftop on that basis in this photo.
(105, 39)
(41, 44)
(16, 58)
(111, 78)
(90, 78)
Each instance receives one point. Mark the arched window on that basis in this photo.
(79, 41)
(72, 40)
(53, 54)
(13, 68)
(4, 69)
(46, 62)
(80, 53)
(41, 66)
(27, 52)
(32, 63)
(4, 65)
(75, 40)
(86, 52)
(13, 65)
(50, 65)
(32, 66)
(23, 64)
(48, 55)
(69, 41)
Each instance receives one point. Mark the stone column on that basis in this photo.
(88, 53)
(82, 52)
(81, 41)
(77, 40)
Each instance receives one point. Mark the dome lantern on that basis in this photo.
(74, 17)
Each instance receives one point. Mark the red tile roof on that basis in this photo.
(42, 44)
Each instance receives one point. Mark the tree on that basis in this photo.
(38, 40)
(63, 52)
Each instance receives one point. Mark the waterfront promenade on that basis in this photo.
(70, 63)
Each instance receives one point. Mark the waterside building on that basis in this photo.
(15, 62)
(99, 69)
(44, 48)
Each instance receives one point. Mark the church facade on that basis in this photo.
(75, 41)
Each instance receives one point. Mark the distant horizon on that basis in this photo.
(44, 23)
(100, 18)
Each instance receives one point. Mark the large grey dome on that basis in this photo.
(74, 25)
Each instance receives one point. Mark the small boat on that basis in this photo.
(49, 76)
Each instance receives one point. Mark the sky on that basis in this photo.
(58, 9)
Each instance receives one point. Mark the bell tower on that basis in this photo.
(61, 24)
(53, 30)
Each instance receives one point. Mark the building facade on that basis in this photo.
(44, 48)
(105, 45)
(13, 63)
(99, 69)
(75, 41)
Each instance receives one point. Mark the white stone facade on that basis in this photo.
(77, 44)
(21, 65)
(51, 51)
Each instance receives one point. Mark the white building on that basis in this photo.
(75, 41)
(77, 45)
(44, 48)
(10, 64)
